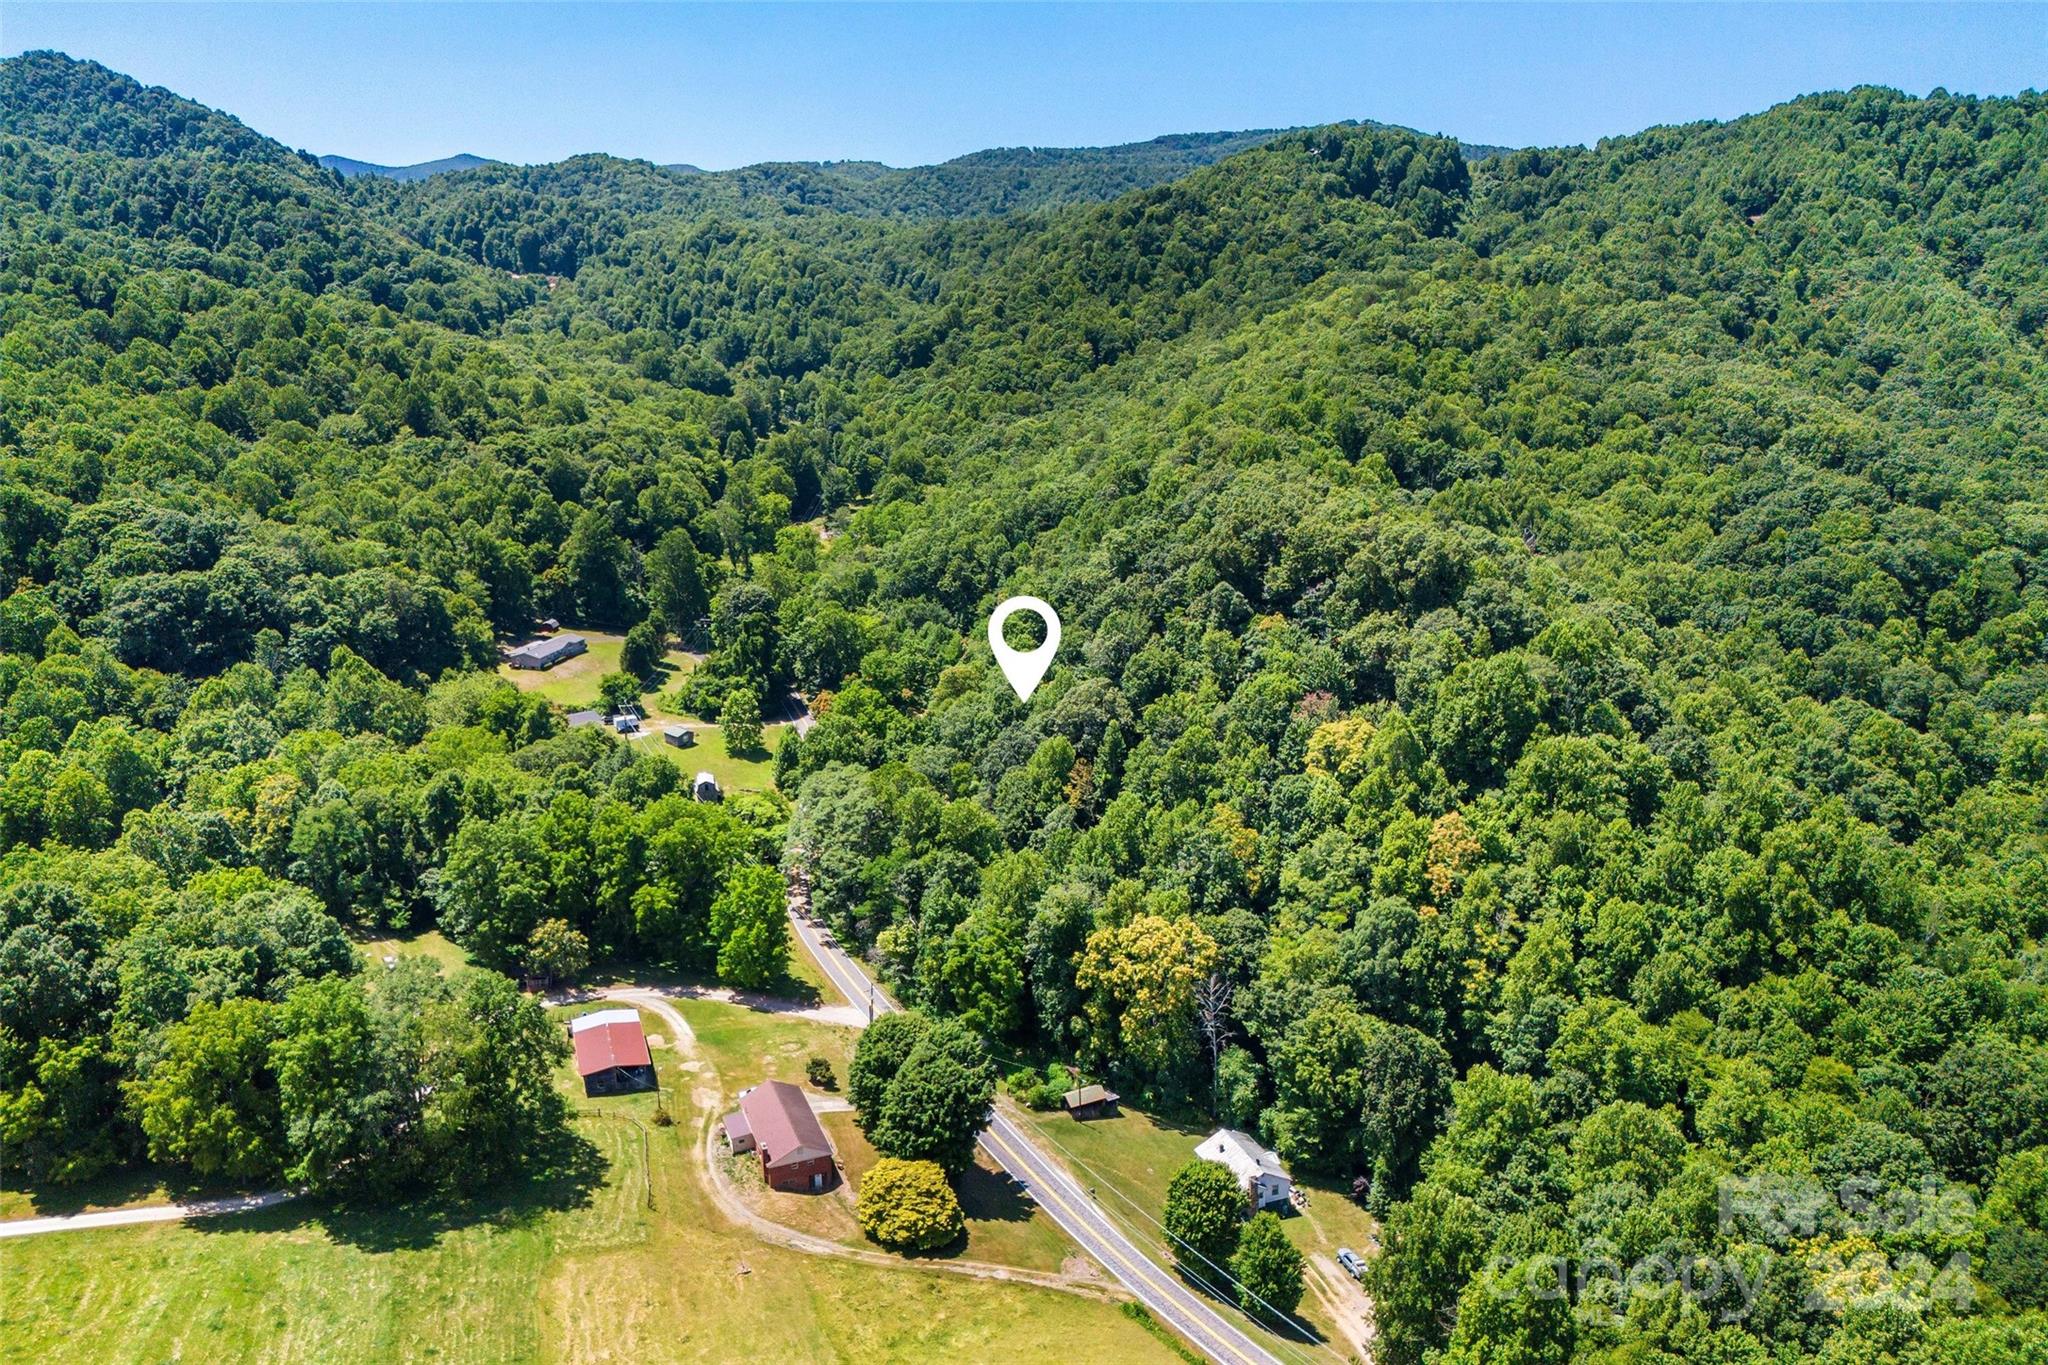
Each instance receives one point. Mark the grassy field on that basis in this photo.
(572, 685)
(577, 1268)
(753, 772)
(1135, 1154)
(432, 943)
(747, 1046)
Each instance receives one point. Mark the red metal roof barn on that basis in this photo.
(611, 1052)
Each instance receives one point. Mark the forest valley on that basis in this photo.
(1552, 722)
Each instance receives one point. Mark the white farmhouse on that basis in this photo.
(1258, 1171)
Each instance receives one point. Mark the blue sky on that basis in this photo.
(726, 85)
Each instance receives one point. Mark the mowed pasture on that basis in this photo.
(573, 1268)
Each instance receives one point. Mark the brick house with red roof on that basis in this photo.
(775, 1119)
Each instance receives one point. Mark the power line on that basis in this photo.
(1302, 1327)
(1307, 1333)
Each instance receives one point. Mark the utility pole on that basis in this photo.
(1212, 1013)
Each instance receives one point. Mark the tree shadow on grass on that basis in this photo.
(1295, 1329)
(562, 1173)
(785, 990)
(117, 1189)
(985, 1197)
(994, 1197)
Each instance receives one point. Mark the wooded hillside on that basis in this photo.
(1559, 641)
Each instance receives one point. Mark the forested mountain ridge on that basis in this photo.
(348, 166)
(1559, 636)
(169, 183)
(554, 217)
(1000, 180)
(84, 106)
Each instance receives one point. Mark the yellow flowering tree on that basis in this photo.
(1140, 981)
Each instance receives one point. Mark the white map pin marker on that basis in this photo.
(1024, 667)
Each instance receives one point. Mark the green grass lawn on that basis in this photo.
(571, 684)
(1136, 1153)
(570, 1269)
(433, 943)
(735, 772)
(746, 1047)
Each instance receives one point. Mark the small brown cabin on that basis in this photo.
(1090, 1102)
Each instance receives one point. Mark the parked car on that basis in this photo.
(1353, 1263)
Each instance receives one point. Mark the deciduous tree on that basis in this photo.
(938, 1101)
(1268, 1269)
(750, 929)
(1204, 1216)
(1141, 982)
(908, 1206)
(210, 1101)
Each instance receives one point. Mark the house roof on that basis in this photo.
(736, 1125)
(1242, 1153)
(599, 1018)
(785, 1130)
(611, 1045)
(1087, 1095)
(585, 718)
(542, 650)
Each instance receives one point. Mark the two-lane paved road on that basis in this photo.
(1061, 1196)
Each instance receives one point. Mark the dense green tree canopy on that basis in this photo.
(1549, 719)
